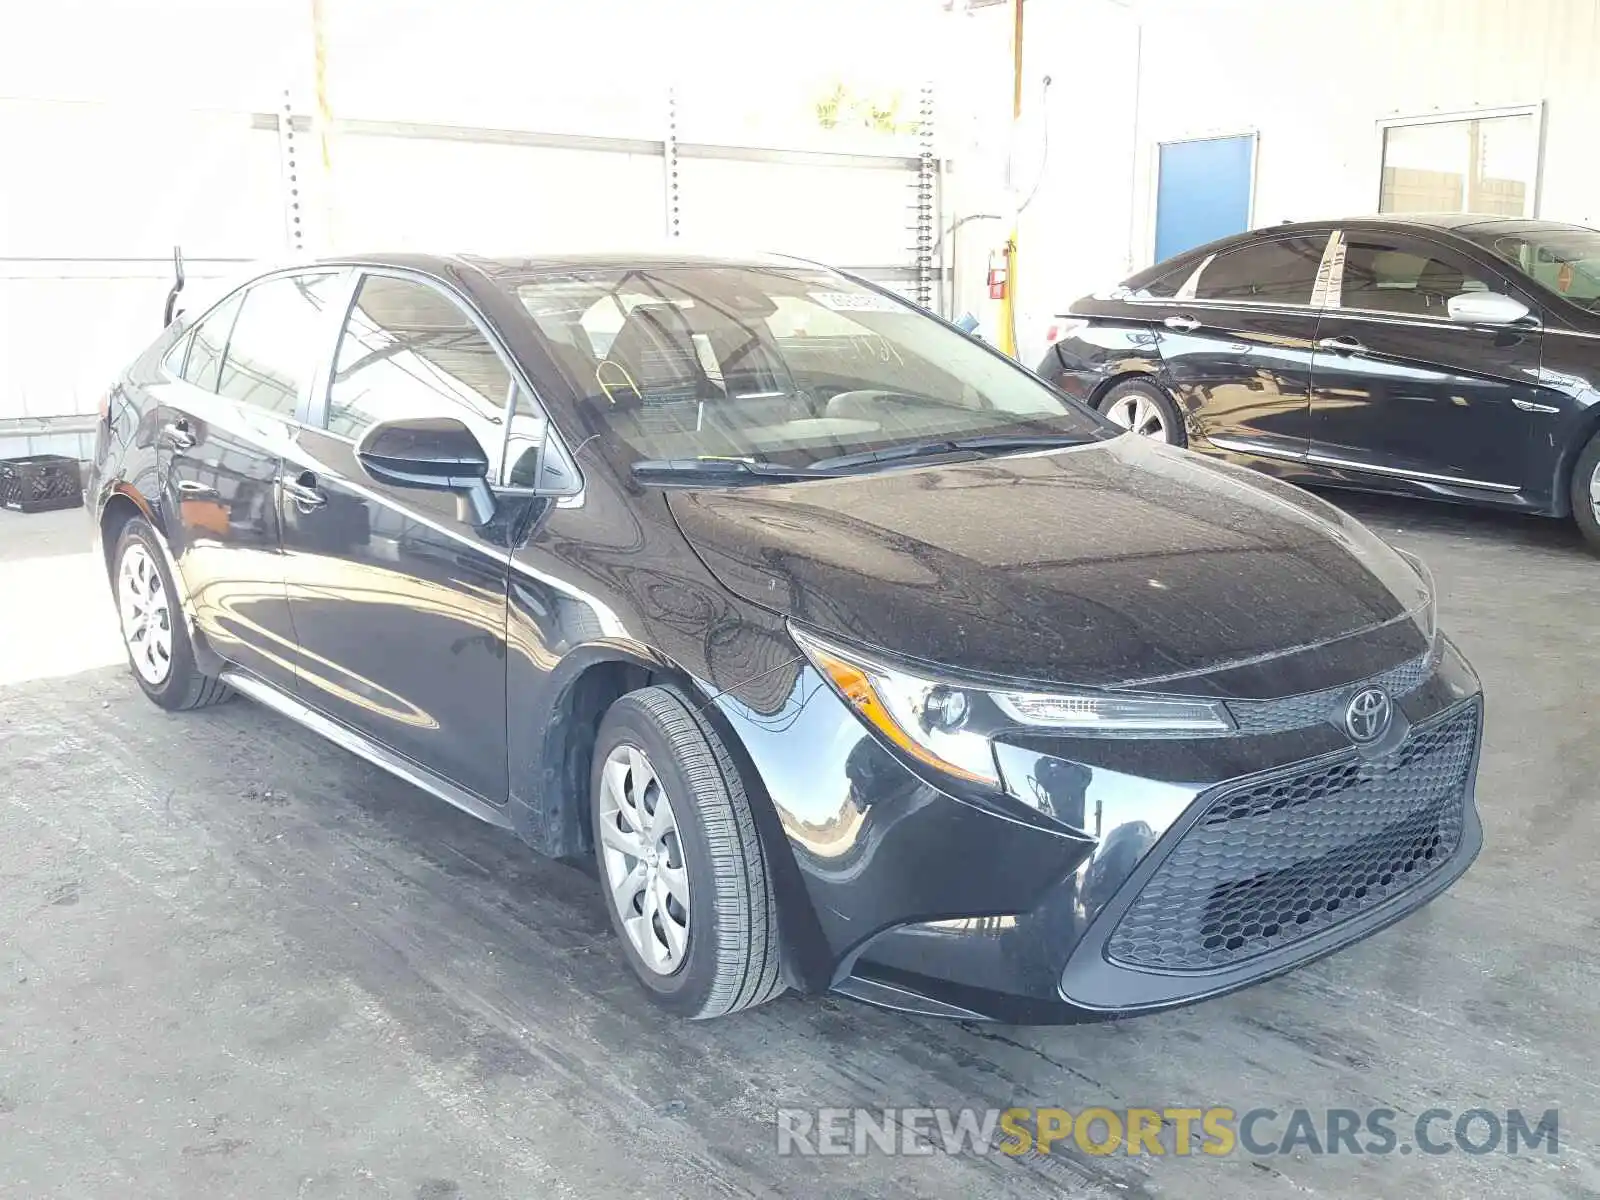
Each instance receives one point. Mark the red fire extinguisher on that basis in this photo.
(997, 275)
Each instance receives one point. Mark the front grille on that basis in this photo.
(1270, 863)
(1296, 712)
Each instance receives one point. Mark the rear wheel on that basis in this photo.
(1144, 409)
(680, 860)
(153, 627)
(1586, 493)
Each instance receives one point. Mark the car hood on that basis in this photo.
(1121, 563)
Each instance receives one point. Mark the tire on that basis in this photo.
(1586, 493)
(1132, 398)
(164, 667)
(729, 937)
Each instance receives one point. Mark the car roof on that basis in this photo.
(1451, 222)
(511, 266)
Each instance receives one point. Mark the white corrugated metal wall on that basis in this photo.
(128, 127)
(1312, 77)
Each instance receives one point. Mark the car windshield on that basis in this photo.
(1565, 261)
(770, 365)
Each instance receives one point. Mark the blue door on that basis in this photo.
(1202, 192)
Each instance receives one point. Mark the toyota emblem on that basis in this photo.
(1367, 717)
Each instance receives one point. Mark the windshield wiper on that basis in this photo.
(987, 444)
(720, 472)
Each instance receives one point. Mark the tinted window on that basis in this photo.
(207, 343)
(1282, 271)
(791, 365)
(409, 350)
(272, 353)
(1393, 275)
(1165, 285)
(1565, 261)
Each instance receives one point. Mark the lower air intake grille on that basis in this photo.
(1273, 862)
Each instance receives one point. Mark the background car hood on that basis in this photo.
(1118, 563)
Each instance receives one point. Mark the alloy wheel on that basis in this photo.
(146, 613)
(1140, 414)
(642, 851)
(1594, 493)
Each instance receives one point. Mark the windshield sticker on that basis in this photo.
(855, 302)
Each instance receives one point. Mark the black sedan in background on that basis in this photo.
(851, 656)
(1456, 357)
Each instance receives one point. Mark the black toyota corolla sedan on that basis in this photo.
(1453, 357)
(853, 657)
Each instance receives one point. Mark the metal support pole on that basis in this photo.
(323, 119)
(669, 159)
(924, 207)
(289, 151)
(1008, 306)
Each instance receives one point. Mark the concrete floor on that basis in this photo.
(235, 961)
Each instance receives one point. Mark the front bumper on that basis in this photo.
(1122, 875)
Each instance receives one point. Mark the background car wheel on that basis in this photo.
(153, 626)
(1586, 493)
(1145, 409)
(680, 861)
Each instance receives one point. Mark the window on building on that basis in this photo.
(1394, 275)
(1281, 271)
(272, 352)
(1475, 164)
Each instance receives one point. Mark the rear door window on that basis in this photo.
(272, 352)
(1279, 271)
(207, 343)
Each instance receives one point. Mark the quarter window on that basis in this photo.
(206, 344)
(1280, 271)
(272, 352)
(408, 350)
(1409, 278)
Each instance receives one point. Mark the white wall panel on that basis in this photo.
(1312, 77)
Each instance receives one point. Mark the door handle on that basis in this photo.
(179, 434)
(304, 492)
(1186, 324)
(193, 489)
(1341, 345)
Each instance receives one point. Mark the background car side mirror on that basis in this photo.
(437, 454)
(1485, 308)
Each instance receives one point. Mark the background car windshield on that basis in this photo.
(1563, 261)
(776, 365)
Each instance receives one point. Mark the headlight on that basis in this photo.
(1428, 616)
(948, 724)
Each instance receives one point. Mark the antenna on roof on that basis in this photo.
(177, 286)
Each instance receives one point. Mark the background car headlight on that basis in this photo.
(949, 724)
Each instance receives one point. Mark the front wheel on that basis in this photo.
(680, 860)
(1586, 493)
(1145, 409)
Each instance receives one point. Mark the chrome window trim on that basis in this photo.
(1330, 273)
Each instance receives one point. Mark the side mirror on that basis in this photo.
(437, 454)
(1485, 308)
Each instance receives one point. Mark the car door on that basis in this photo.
(398, 601)
(1401, 390)
(1236, 340)
(223, 430)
